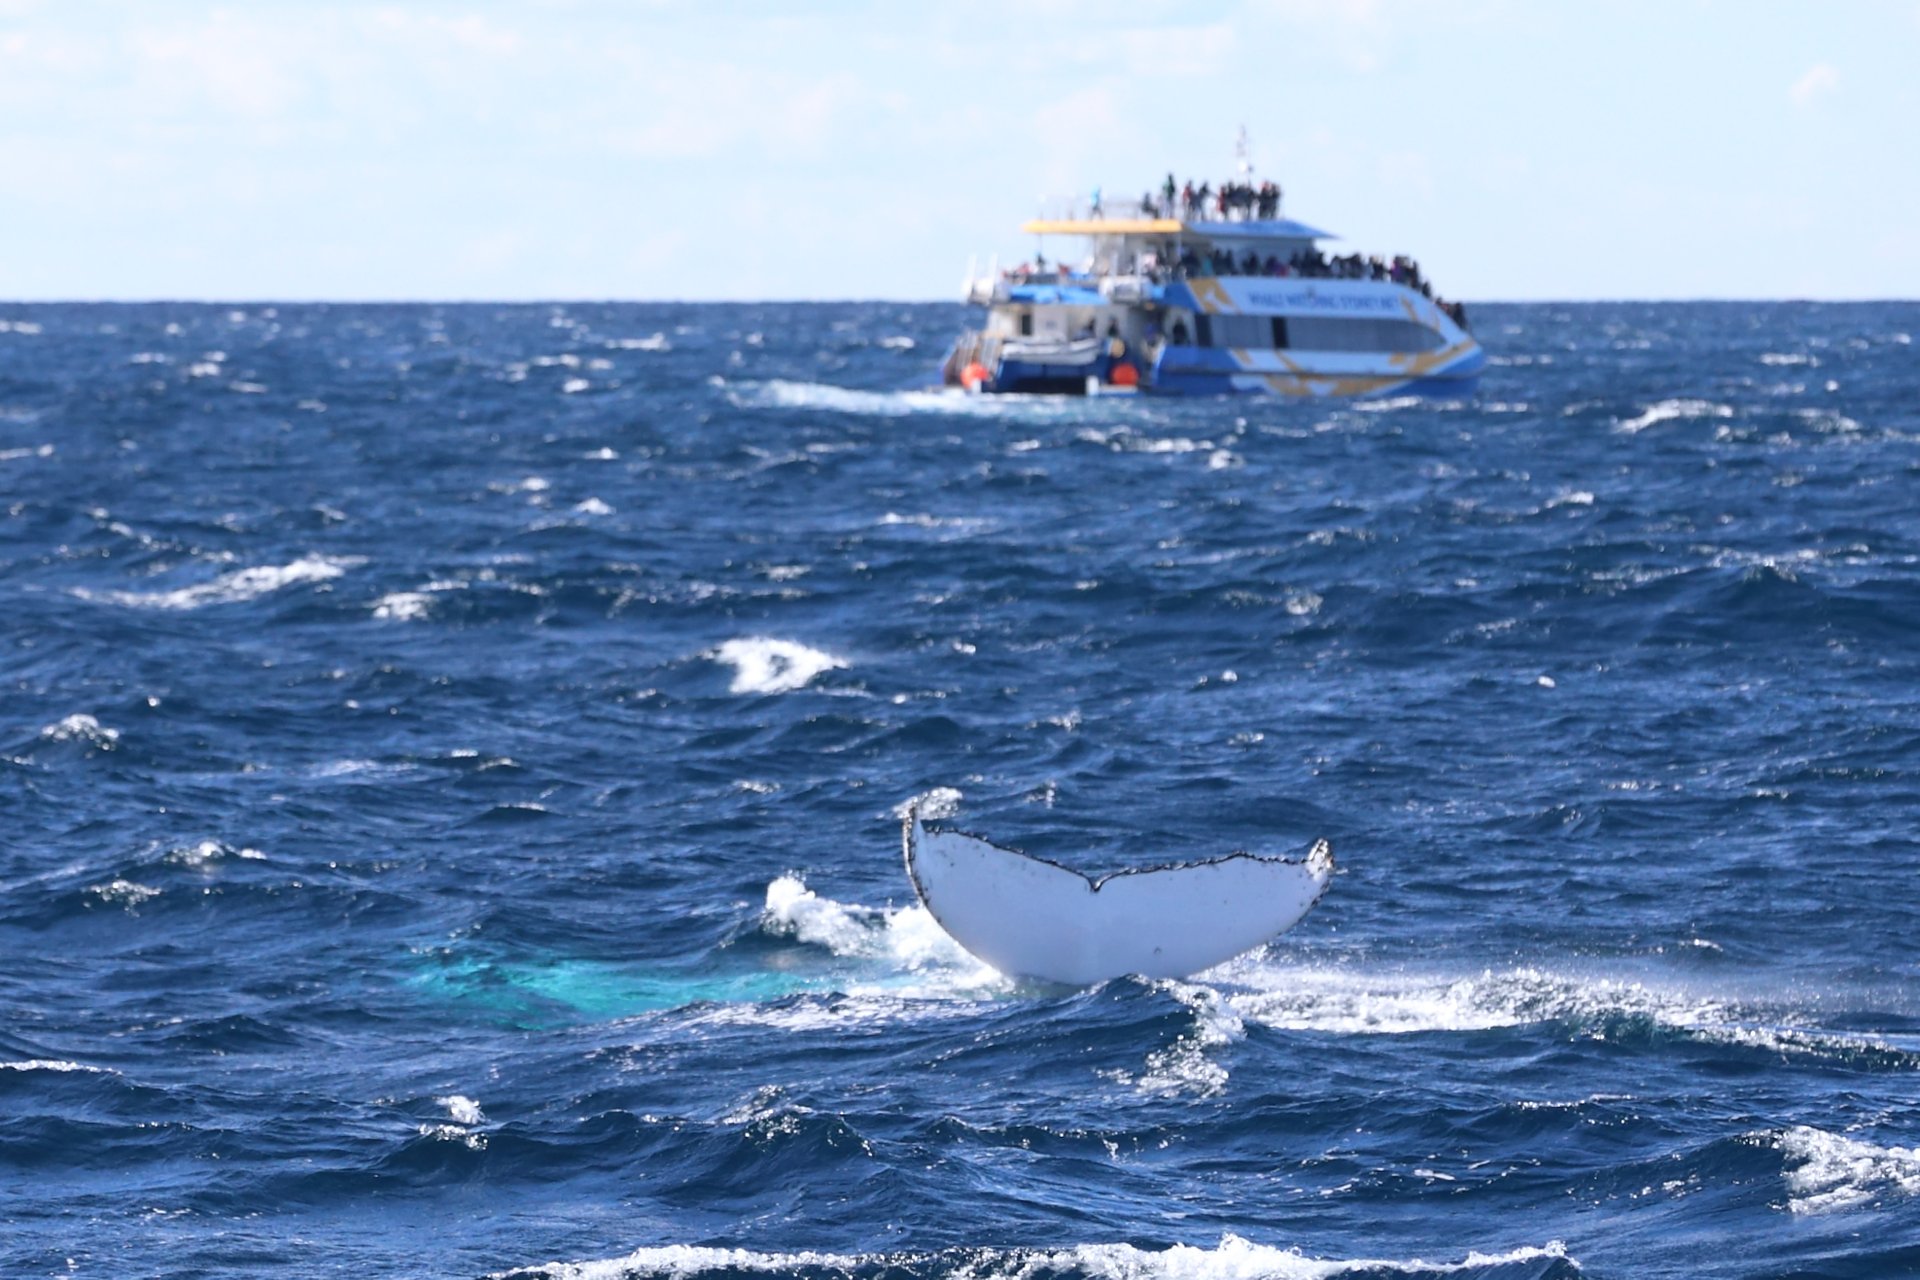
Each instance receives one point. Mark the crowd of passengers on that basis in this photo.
(1309, 264)
(1241, 200)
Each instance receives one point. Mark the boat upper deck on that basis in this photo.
(1248, 229)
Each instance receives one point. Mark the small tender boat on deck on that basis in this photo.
(1191, 305)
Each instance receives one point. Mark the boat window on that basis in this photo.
(1353, 333)
(1241, 331)
(1026, 324)
(1316, 333)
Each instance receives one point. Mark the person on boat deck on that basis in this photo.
(1167, 192)
(1096, 204)
(1147, 208)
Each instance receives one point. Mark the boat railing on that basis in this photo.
(1242, 206)
(1085, 208)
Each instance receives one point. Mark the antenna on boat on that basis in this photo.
(1243, 158)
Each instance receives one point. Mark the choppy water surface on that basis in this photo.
(449, 758)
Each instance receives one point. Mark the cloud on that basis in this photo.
(1819, 81)
(469, 32)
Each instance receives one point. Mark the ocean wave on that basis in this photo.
(81, 727)
(1828, 1172)
(1678, 410)
(403, 606)
(765, 665)
(58, 1065)
(232, 588)
(1234, 1258)
(1347, 1002)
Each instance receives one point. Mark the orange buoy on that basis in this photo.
(1123, 375)
(973, 375)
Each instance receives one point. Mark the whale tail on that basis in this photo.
(1032, 918)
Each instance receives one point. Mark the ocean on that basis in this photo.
(451, 761)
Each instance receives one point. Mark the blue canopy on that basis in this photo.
(1072, 295)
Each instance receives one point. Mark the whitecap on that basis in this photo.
(81, 727)
(1673, 411)
(944, 802)
(56, 1064)
(593, 507)
(1830, 1172)
(454, 1133)
(924, 520)
(574, 386)
(232, 588)
(124, 892)
(203, 855)
(403, 606)
(764, 665)
(652, 342)
(1394, 404)
(462, 1109)
(1168, 444)
(1233, 1258)
(1352, 1002)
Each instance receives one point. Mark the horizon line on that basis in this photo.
(566, 300)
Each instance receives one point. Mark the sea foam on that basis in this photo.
(1829, 1172)
(1234, 1258)
(232, 588)
(765, 665)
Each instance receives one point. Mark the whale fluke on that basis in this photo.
(1031, 918)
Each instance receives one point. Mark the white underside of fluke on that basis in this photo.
(1035, 919)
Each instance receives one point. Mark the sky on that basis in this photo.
(641, 150)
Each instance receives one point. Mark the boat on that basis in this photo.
(1209, 293)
